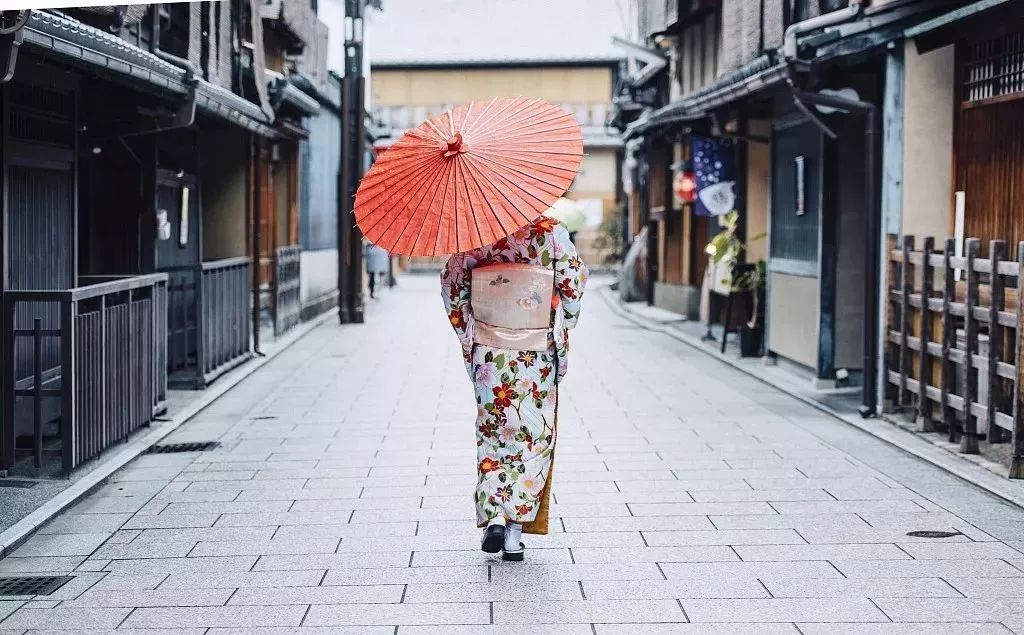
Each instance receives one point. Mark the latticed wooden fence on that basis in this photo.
(953, 340)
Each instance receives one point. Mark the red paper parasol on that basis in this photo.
(469, 177)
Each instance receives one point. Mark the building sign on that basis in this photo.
(714, 167)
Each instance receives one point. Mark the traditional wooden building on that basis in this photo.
(148, 153)
(797, 90)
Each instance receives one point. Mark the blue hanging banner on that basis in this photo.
(714, 166)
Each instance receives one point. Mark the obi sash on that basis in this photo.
(511, 305)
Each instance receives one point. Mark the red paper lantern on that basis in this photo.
(685, 186)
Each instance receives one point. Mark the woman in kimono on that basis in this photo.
(516, 389)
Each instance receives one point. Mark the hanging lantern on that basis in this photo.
(685, 185)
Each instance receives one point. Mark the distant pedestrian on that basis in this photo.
(512, 305)
(378, 263)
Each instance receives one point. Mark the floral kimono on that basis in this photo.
(517, 391)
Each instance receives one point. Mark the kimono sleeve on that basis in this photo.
(570, 276)
(455, 293)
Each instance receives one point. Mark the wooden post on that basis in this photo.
(69, 431)
(996, 254)
(1017, 457)
(969, 441)
(948, 369)
(907, 287)
(891, 363)
(924, 360)
(37, 392)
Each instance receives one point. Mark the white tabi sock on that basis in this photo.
(513, 536)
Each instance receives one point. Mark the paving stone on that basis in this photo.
(859, 587)
(304, 630)
(490, 591)
(123, 582)
(573, 611)
(959, 551)
(281, 519)
(376, 530)
(351, 560)
(230, 616)
(784, 610)
(171, 521)
(60, 545)
(182, 565)
(306, 595)
(84, 523)
(646, 523)
(752, 553)
(40, 564)
(242, 579)
(741, 570)
(400, 614)
(7, 607)
(696, 629)
(265, 547)
(988, 587)
(951, 609)
(923, 628)
(146, 549)
(161, 597)
(701, 509)
(535, 629)
(671, 589)
(583, 572)
(927, 568)
(763, 495)
(474, 556)
(66, 619)
(410, 575)
(172, 631)
(723, 537)
(200, 534)
(586, 555)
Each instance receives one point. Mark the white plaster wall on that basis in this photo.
(318, 273)
(928, 142)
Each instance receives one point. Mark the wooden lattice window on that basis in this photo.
(994, 68)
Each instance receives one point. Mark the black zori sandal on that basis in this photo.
(515, 556)
(494, 538)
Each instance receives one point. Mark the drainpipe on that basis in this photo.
(154, 46)
(10, 39)
(793, 31)
(869, 396)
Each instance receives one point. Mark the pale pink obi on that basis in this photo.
(512, 305)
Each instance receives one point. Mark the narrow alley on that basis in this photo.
(689, 498)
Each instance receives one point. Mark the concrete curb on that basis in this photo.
(963, 468)
(24, 528)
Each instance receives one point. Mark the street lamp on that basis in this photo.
(353, 149)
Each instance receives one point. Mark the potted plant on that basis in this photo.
(726, 251)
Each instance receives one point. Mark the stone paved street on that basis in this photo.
(689, 498)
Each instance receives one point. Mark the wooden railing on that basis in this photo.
(287, 298)
(91, 357)
(209, 320)
(953, 341)
(225, 316)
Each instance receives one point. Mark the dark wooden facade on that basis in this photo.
(989, 130)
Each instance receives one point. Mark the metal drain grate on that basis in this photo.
(18, 483)
(172, 448)
(32, 586)
(933, 534)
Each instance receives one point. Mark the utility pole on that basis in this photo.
(353, 151)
